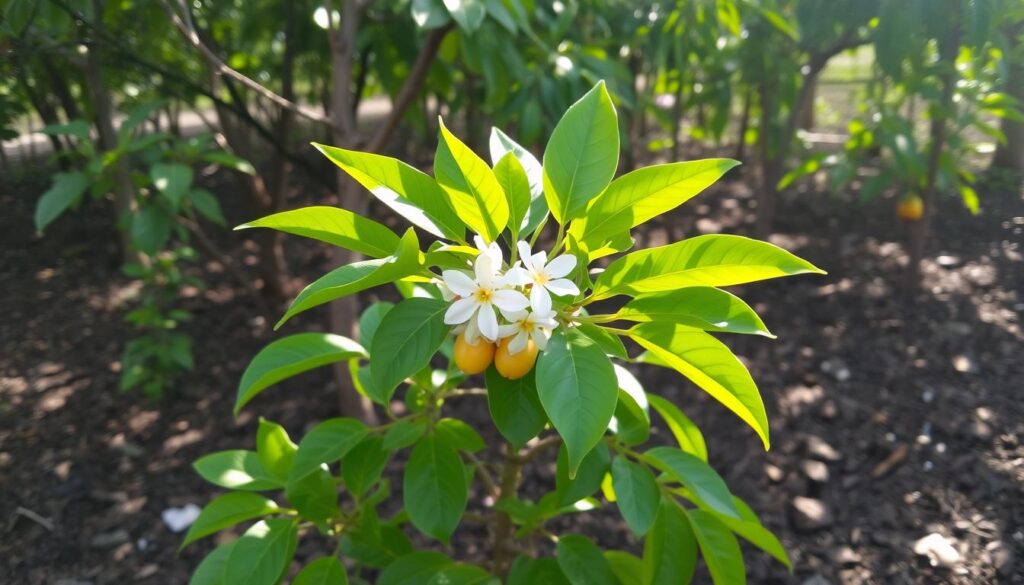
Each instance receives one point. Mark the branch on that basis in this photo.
(188, 29)
(411, 86)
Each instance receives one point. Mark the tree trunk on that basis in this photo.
(103, 110)
(677, 118)
(1010, 156)
(806, 115)
(949, 47)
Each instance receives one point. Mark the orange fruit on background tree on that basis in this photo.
(910, 208)
(473, 358)
(515, 365)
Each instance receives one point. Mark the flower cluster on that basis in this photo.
(486, 293)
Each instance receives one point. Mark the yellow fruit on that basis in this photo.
(473, 358)
(910, 208)
(515, 366)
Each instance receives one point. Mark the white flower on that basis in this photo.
(537, 324)
(479, 297)
(546, 277)
(493, 250)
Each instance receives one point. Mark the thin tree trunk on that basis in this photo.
(949, 47)
(677, 117)
(1010, 155)
(741, 134)
(124, 191)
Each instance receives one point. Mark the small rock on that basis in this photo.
(774, 473)
(819, 449)
(964, 365)
(178, 519)
(1002, 557)
(846, 557)
(938, 549)
(948, 261)
(980, 430)
(983, 413)
(828, 410)
(815, 471)
(810, 514)
(109, 539)
(817, 579)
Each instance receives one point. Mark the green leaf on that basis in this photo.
(709, 260)
(77, 128)
(211, 570)
(582, 154)
(609, 342)
(628, 569)
(236, 470)
(323, 571)
(515, 407)
(207, 205)
(701, 307)
(290, 356)
(588, 477)
(408, 336)
(752, 531)
(709, 364)
(697, 476)
(529, 571)
(262, 554)
(471, 185)
(459, 435)
(150, 229)
(67, 188)
(171, 179)
(636, 494)
(410, 193)
(227, 510)
(336, 226)
(582, 562)
(359, 276)
(512, 178)
(434, 488)
(501, 144)
(413, 568)
(670, 548)
(404, 434)
(719, 548)
(643, 194)
(469, 14)
(370, 320)
(429, 14)
(689, 437)
(364, 464)
(632, 421)
(463, 574)
(314, 495)
(275, 449)
(327, 442)
(230, 161)
(576, 385)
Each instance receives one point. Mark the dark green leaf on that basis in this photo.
(262, 554)
(327, 442)
(408, 336)
(588, 476)
(414, 568)
(529, 571)
(697, 476)
(515, 407)
(582, 562)
(636, 494)
(323, 571)
(211, 570)
(459, 435)
(628, 569)
(670, 549)
(719, 548)
(314, 495)
(173, 180)
(363, 465)
(434, 488)
(67, 188)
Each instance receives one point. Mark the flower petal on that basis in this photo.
(516, 276)
(484, 269)
(563, 286)
(460, 311)
(472, 332)
(540, 300)
(524, 254)
(488, 322)
(518, 343)
(539, 260)
(540, 337)
(460, 282)
(506, 330)
(560, 266)
(509, 300)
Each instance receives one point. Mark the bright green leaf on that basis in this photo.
(359, 276)
(513, 181)
(471, 185)
(262, 554)
(577, 387)
(689, 437)
(275, 449)
(370, 320)
(336, 226)
(501, 144)
(236, 470)
(409, 192)
(702, 307)
(290, 356)
(227, 510)
(632, 421)
(709, 260)
(709, 364)
(697, 476)
(719, 548)
(582, 154)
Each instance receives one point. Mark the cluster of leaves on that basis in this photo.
(599, 413)
(159, 168)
